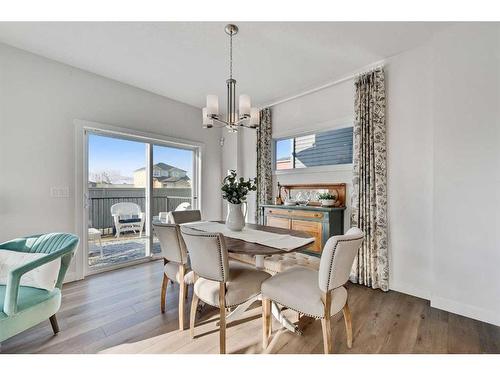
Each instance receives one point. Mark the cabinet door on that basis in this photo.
(313, 228)
(278, 222)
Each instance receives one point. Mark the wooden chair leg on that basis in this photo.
(182, 292)
(54, 324)
(194, 307)
(327, 335)
(266, 322)
(163, 299)
(222, 318)
(348, 324)
(325, 323)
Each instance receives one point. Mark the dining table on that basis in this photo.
(258, 241)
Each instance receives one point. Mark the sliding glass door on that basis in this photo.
(131, 182)
(172, 183)
(117, 196)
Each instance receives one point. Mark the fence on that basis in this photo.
(100, 206)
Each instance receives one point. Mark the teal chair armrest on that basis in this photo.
(14, 279)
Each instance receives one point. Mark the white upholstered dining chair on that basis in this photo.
(186, 216)
(176, 267)
(218, 282)
(318, 294)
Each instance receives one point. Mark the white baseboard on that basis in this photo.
(469, 311)
(71, 276)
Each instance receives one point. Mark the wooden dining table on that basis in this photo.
(235, 245)
(260, 251)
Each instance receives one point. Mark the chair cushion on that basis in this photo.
(35, 305)
(298, 289)
(133, 220)
(171, 269)
(43, 277)
(281, 262)
(243, 283)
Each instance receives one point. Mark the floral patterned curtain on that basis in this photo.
(369, 198)
(264, 168)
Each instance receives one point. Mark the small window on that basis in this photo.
(332, 147)
(284, 153)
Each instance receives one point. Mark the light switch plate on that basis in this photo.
(59, 192)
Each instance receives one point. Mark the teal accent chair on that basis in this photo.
(23, 307)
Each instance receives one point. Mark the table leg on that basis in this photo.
(240, 309)
(278, 315)
(276, 312)
(259, 262)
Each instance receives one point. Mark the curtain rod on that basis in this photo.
(326, 85)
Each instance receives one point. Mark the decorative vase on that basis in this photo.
(235, 219)
(327, 202)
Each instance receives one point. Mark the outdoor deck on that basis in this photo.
(128, 247)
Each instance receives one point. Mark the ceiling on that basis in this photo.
(187, 60)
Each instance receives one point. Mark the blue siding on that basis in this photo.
(325, 148)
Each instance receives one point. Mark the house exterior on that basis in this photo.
(164, 176)
(284, 163)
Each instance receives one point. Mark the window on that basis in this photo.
(330, 147)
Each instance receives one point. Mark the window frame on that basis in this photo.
(315, 169)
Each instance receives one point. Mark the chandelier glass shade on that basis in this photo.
(244, 115)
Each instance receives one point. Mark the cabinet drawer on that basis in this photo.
(294, 213)
(278, 222)
(314, 229)
(307, 214)
(278, 211)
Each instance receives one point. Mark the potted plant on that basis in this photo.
(327, 199)
(235, 191)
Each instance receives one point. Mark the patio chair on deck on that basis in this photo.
(127, 217)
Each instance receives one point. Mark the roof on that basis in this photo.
(163, 166)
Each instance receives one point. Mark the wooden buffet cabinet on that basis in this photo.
(320, 222)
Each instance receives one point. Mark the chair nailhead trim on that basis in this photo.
(333, 256)
(216, 235)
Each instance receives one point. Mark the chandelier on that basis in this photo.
(247, 117)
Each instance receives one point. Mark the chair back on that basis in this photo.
(208, 254)
(183, 206)
(125, 209)
(187, 216)
(337, 258)
(64, 244)
(172, 244)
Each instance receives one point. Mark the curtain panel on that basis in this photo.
(264, 163)
(369, 197)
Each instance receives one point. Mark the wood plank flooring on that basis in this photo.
(119, 312)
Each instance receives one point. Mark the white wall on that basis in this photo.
(409, 171)
(39, 99)
(443, 140)
(467, 171)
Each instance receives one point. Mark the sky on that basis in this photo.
(124, 156)
(283, 148)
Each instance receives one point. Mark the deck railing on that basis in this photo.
(100, 208)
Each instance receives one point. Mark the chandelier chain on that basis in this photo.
(231, 56)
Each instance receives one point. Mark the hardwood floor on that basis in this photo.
(119, 312)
